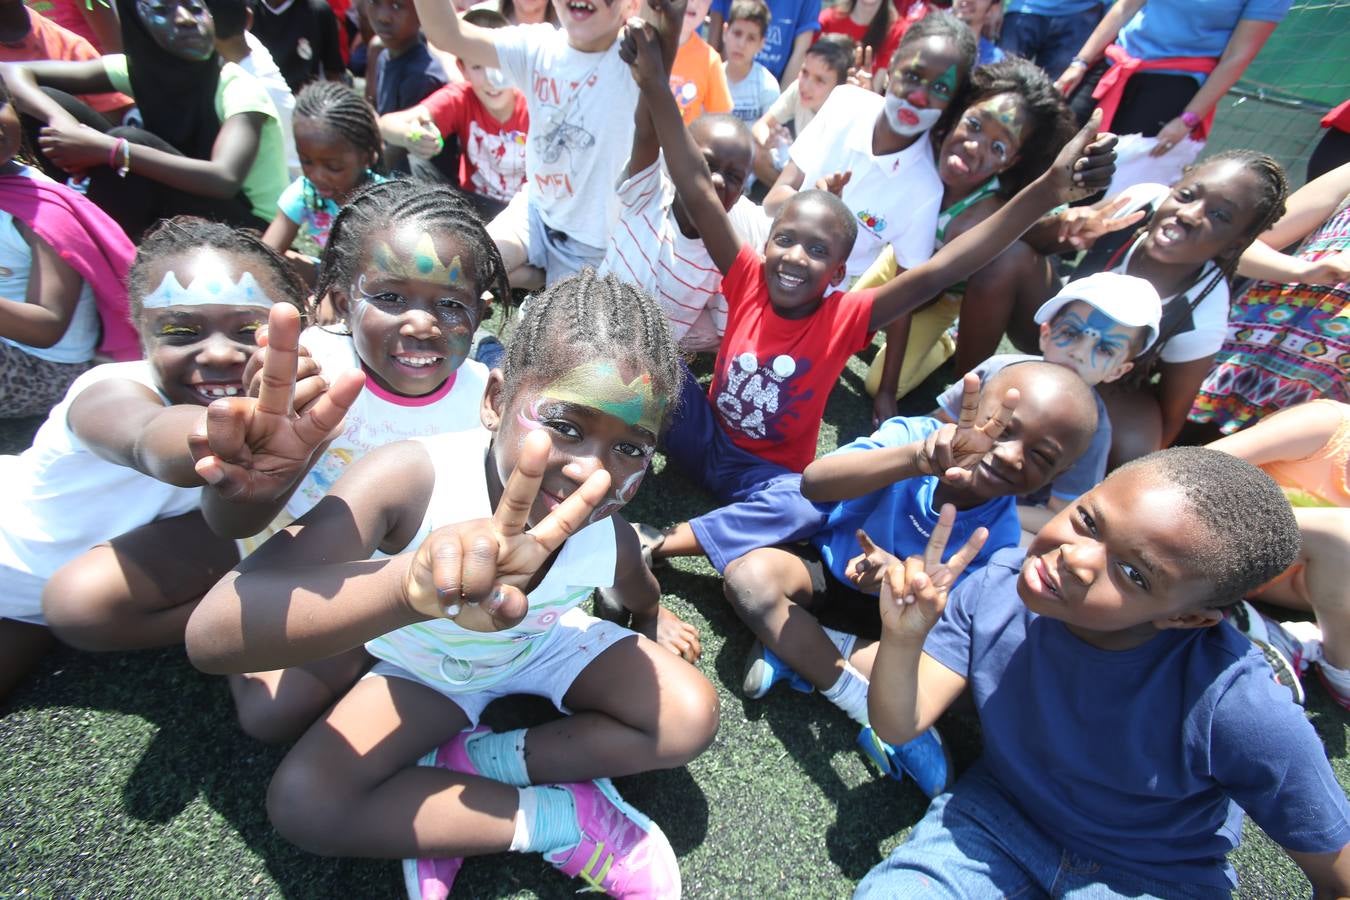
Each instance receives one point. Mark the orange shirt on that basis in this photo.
(697, 80)
(47, 40)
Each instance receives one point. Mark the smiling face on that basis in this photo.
(334, 164)
(804, 256)
(1207, 215)
(600, 415)
(985, 141)
(1114, 565)
(413, 308)
(490, 86)
(925, 77)
(1090, 342)
(742, 40)
(199, 321)
(395, 21)
(591, 25)
(182, 28)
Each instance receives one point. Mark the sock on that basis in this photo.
(1337, 679)
(842, 642)
(849, 693)
(546, 820)
(500, 757)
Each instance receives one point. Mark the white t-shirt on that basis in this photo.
(260, 65)
(895, 198)
(788, 110)
(60, 499)
(649, 250)
(379, 417)
(752, 96)
(581, 126)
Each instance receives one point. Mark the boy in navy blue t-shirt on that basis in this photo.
(1126, 725)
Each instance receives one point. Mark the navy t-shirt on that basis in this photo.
(404, 81)
(1143, 758)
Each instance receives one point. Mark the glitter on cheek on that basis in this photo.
(530, 417)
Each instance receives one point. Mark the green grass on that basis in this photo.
(124, 775)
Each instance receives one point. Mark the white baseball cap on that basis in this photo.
(1129, 300)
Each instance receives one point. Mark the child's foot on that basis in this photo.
(763, 670)
(431, 879)
(1287, 655)
(650, 538)
(621, 852)
(924, 759)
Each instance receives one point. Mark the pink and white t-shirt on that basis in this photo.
(648, 249)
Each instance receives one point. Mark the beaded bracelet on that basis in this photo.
(116, 149)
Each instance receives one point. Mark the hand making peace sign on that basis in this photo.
(914, 593)
(476, 572)
(954, 450)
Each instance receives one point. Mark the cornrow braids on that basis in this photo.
(1269, 205)
(588, 317)
(433, 207)
(182, 234)
(346, 112)
(1050, 125)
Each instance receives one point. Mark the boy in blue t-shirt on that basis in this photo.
(886, 491)
(1126, 726)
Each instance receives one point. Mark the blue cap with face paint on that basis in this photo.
(1128, 299)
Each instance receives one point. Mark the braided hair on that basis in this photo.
(346, 112)
(587, 317)
(1050, 125)
(434, 207)
(182, 234)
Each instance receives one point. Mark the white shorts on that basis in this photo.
(570, 646)
(21, 596)
(545, 248)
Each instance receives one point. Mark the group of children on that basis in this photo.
(375, 535)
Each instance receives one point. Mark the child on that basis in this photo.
(872, 24)
(696, 78)
(580, 95)
(338, 143)
(891, 183)
(570, 427)
(303, 37)
(789, 334)
(110, 468)
(63, 266)
(484, 116)
(975, 13)
(406, 267)
(26, 34)
(406, 72)
(1095, 326)
(793, 27)
(824, 69)
(889, 489)
(1125, 728)
(656, 247)
(1306, 449)
(753, 88)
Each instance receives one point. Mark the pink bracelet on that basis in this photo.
(112, 154)
(1191, 120)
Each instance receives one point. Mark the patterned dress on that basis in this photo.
(1287, 343)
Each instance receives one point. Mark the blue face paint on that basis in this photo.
(1109, 339)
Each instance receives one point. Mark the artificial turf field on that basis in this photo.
(124, 775)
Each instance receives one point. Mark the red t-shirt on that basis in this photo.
(493, 161)
(836, 21)
(48, 40)
(773, 375)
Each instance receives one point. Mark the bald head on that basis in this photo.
(1054, 402)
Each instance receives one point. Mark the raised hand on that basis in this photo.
(477, 572)
(640, 48)
(834, 182)
(1081, 226)
(954, 450)
(1086, 164)
(860, 74)
(254, 449)
(914, 593)
(865, 570)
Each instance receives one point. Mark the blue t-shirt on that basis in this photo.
(404, 81)
(900, 518)
(1083, 475)
(1164, 28)
(1143, 758)
(788, 18)
(987, 52)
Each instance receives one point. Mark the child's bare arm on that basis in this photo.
(1086, 163)
(281, 233)
(910, 689)
(1290, 434)
(442, 26)
(687, 168)
(127, 423)
(1329, 873)
(637, 589)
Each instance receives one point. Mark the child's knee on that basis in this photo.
(304, 806)
(753, 586)
(690, 714)
(264, 717)
(82, 601)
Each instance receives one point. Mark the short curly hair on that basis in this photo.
(1050, 125)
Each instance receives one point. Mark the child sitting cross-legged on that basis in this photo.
(1095, 326)
(1126, 728)
(789, 333)
(1028, 425)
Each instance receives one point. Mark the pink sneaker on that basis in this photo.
(431, 879)
(621, 852)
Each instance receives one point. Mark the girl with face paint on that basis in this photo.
(870, 149)
(486, 542)
(101, 540)
(211, 145)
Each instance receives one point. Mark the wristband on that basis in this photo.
(1079, 62)
(1191, 119)
(116, 149)
(125, 167)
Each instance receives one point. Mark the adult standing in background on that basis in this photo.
(1049, 32)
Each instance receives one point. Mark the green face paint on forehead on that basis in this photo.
(1009, 113)
(419, 262)
(598, 385)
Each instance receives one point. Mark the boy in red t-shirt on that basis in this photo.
(789, 334)
(487, 118)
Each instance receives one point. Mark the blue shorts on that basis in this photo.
(764, 500)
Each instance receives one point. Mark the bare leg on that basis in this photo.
(139, 589)
(1136, 424)
(22, 644)
(1002, 298)
(277, 707)
(1321, 586)
(680, 541)
(770, 589)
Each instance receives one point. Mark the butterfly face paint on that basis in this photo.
(1088, 341)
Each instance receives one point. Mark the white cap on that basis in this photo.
(1130, 300)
